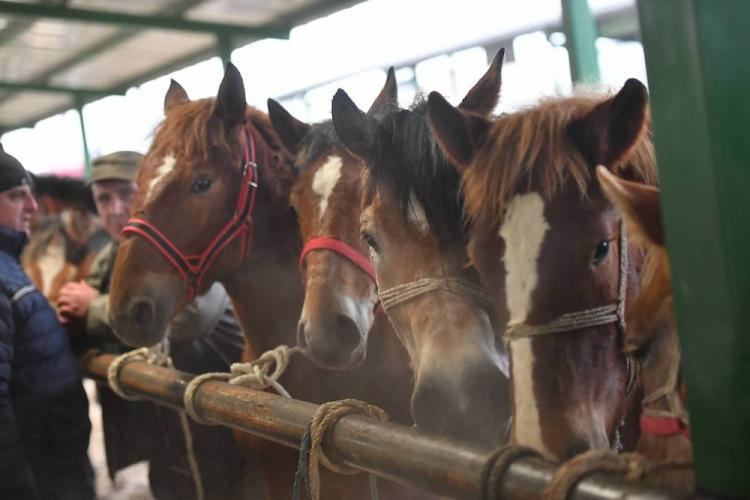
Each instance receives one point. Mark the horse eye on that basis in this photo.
(370, 240)
(201, 185)
(601, 252)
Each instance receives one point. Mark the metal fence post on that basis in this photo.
(580, 32)
(700, 86)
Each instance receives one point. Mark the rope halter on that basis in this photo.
(587, 318)
(193, 267)
(400, 294)
(669, 422)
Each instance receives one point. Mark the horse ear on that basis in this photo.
(484, 95)
(639, 204)
(608, 132)
(387, 99)
(459, 134)
(355, 129)
(290, 130)
(175, 95)
(231, 105)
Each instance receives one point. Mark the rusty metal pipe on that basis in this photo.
(436, 464)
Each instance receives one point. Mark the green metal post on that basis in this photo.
(225, 46)
(86, 156)
(580, 31)
(695, 51)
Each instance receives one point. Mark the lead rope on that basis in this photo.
(260, 374)
(157, 355)
(670, 392)
(408, 291)
(312, 453)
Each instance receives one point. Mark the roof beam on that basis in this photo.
(140, 21)
(39, 87)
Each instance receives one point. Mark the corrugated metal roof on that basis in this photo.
(103, 46)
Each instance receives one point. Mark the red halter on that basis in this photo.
(193, 267)
(341, 248)
(664, 426)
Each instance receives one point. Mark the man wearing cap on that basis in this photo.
(139, 430)
(44, 424)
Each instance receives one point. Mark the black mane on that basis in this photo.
(69, 190)
(320, 139)
(408, 160)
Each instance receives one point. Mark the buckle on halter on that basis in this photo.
(253, 184)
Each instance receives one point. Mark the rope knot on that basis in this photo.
(157, 355)
(324, 419)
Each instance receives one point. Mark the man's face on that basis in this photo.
(114, 202)
(17, 205)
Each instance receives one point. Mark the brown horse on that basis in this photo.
(199, 173)
(652, 334)
(551, 252)
(411, 220)
(66, 235)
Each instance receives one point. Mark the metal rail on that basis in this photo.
(405, 455)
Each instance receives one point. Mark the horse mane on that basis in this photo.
(319, 139)
(69, 190)
(192, 130)
(530, 150)
(409, 160)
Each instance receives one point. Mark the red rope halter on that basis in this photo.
(341, 248)
(193, 267)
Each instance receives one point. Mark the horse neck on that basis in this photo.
(266, 290)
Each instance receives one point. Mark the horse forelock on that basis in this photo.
(194, 133)
(530, 150)
(410, 165)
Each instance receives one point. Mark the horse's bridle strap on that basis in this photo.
(675, 420)
(192, 267)
(341, 248)
(408, 291)
(663, 426)
(597, 316)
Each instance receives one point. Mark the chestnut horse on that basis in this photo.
(213, 161)
(552, 253)
(652, 335)
(411, 220)
(66, 235)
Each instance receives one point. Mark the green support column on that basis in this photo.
(225, 46)
(86, 156)
(580, 32)
(700, 88)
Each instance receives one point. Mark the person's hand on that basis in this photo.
(74, 299)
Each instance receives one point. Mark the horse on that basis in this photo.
(411, 221)
(217, 181)
(66, 235)
(652, 334)
(555, 258)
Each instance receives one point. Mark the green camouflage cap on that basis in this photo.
(121, 165)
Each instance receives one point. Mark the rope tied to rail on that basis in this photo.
(630, 466)
(495, 467)
(259, 374)
(157, 355)
(312, 453)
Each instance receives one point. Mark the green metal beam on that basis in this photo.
(225, 46)
(701, 108)
(139, 21)
(580, 31)
(84, 139)
(35, 87)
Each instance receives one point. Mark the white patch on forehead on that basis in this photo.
(325, 181)
(416, 215)
(523, 232)
(526, 426)
(161, 172)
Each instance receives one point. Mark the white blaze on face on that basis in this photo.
(523, 233)
(416, 215)
(325, 181)
(161, 172)
(50, 264)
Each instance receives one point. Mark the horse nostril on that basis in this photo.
(301, 336)
(142, 312)
(347, 334)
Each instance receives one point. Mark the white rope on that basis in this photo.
(260, 374)
(403, 293)
(157, 355)
(670, 391)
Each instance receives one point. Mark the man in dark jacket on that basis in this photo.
(44, 424)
